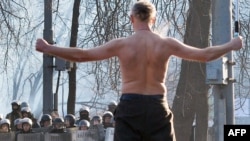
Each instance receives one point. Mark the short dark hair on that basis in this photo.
(143, 10)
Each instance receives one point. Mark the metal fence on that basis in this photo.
(93, 134)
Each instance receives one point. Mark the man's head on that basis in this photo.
(69, 120)
(26, 112)
(112, 106)
(84, 125)
(96, 120)
(144, 11)
(18, 123)
(15, 105)
(58, 123)
(84, 112)
(107, 119)
(5, 125)
(27, 124)
(46, 120)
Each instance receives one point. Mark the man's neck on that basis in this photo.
(142, 26)
(142, 29)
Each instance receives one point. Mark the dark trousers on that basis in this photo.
(143, 118)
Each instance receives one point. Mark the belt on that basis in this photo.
(133, 96)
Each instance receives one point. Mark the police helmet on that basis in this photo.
(113, 103)
(27, 121)
(5, 121)
(58, 123)
(17, 121)
(97, 117)
(15, 102)
(26, 109)
(107, 114)
(46, 117)
(84, 108)
(58, 120)
(24, 104)
(71, 118)
(84, 123)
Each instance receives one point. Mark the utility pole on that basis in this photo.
(222, 33)
(47, 60)
(220, 72)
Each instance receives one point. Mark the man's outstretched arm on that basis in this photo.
(104, 51)
(187, 52)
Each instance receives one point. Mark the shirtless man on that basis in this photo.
(142, 113)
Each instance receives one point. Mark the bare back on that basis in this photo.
(144, 55)
(144, 61)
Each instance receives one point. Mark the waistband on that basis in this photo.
(134, 96)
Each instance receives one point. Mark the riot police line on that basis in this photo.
(95, 133)
(21, 125)
(57, 130)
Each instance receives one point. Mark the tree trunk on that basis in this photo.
(72, 73)
(191, 101)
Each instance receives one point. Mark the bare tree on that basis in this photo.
(72, 72)
(242, 59)
(191, 100)
(17, 33)
(110, 20)
(11, 24)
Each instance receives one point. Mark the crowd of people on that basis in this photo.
(21, 120)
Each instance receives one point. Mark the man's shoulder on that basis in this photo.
(121, 39)
(118, 42)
